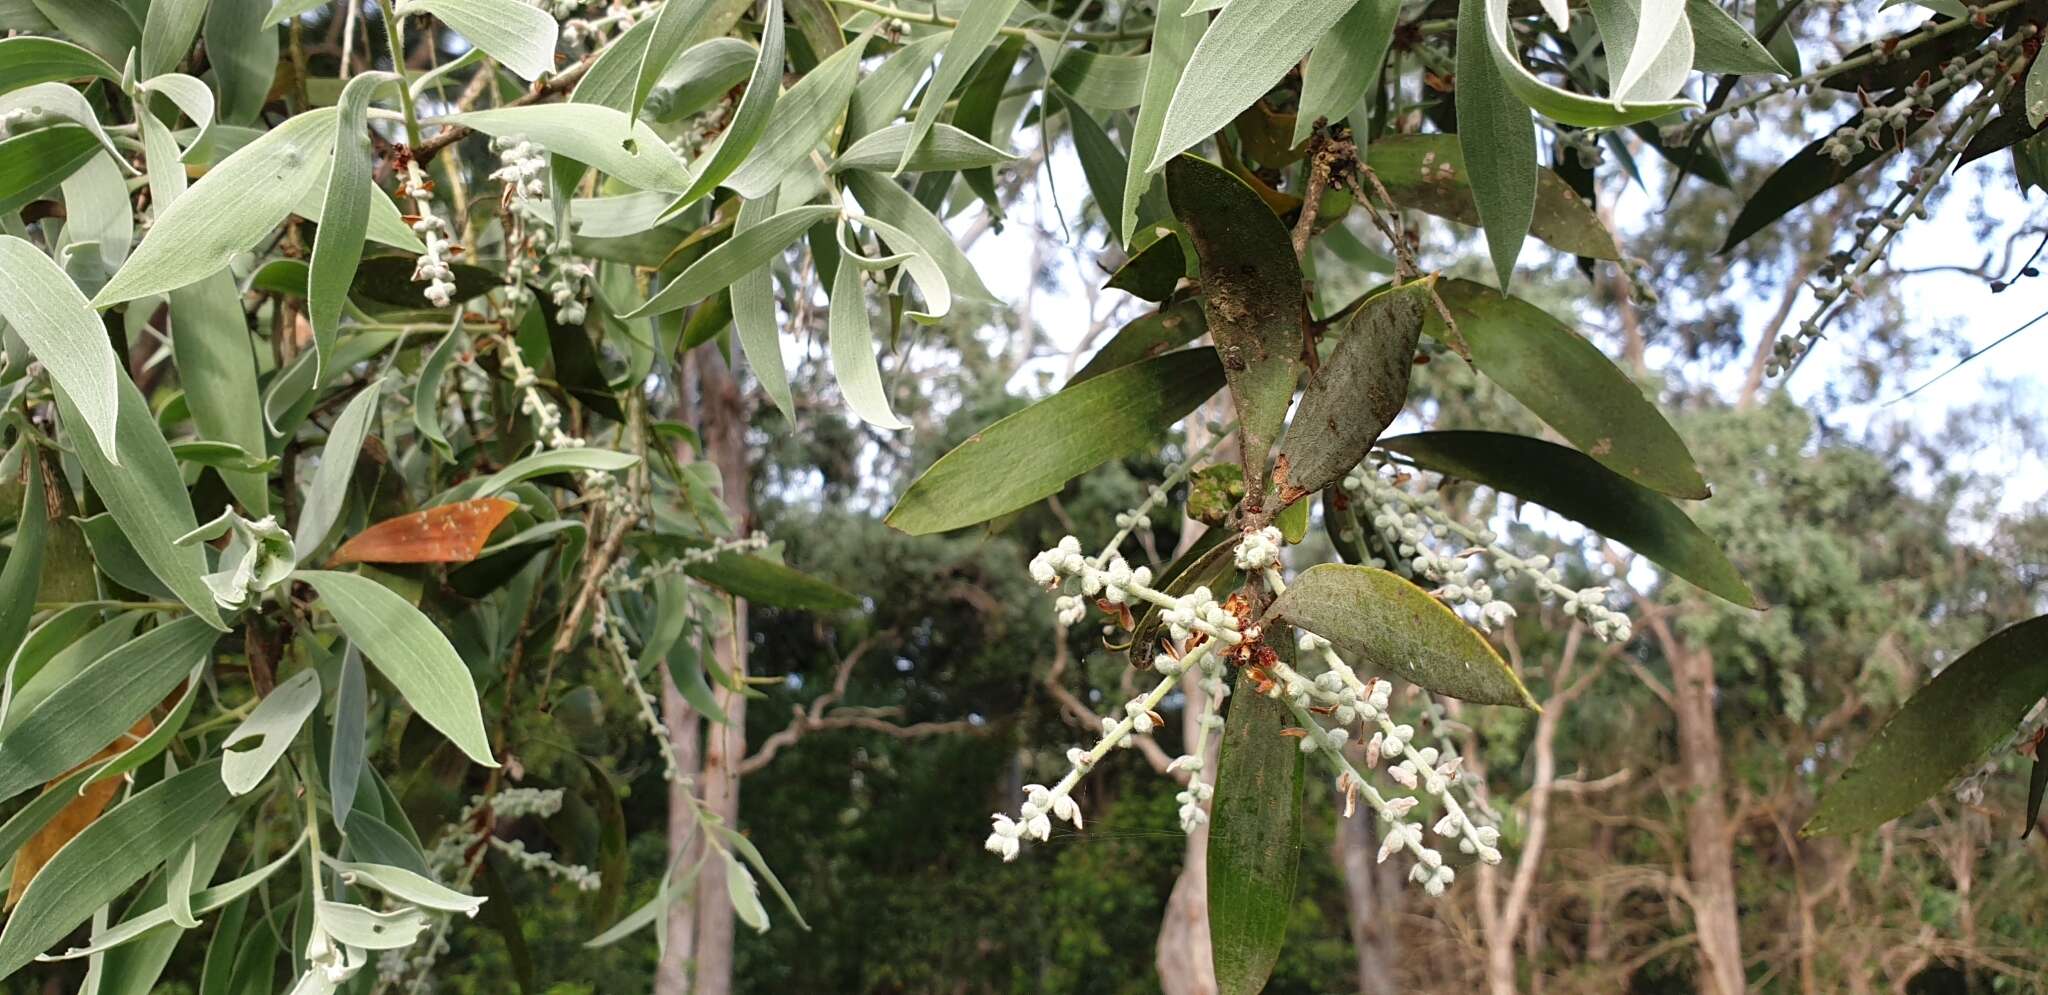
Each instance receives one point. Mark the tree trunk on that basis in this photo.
(672, 974)
(1710, 840)
(1186, 964)
(1372, 893)
(723, 427)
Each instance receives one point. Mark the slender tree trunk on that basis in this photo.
(723, 429)
(1372, 893)
(672, 975)
(1710, 840)
(1183, 956)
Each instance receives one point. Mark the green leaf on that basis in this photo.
(884, 201)
(1497, 134)
(1251, 45)
(1556, 103)
(976, 110)
(851, 342)
(978, 27)
(543, 464)
(2037, 790)
(1174, 36)
(747, 851)
(23, 571)
(1030, 455)
(1101, 81)
(919, 260)
(26, 60)
(243, 50)
(576, 363)
(350, 741)
(1570, 385)
(426, 394)
(751, 300)
(33, 162)
(356, 926)
(99, 703)
(674, 27)
(945, 149)
(344, 217)
(1374, 617)
(613, 77)
(200, 902)
(1254, 840)
(878, 98)
(105, 26)
(407, 886)
(764, 581)
(750, 120)
(147, 495)
(50, 314)
(230, 210)
(1344, 64)
(1428, 173)
(167, 34)
(321, 507)
(1722, 45)
(1101, 162)
(1944, 729)
(1356, 394)
(410, 652)
(216, 363)
(1251, 291)
(597, 136)
(1809, 173)
(1156, 270)
(1573, 485)
(519, 35)
(1161, 331)
(273, 724)
(744, 893)
(803, 117)
(1649, 46)
(746, 251)
(112, 853)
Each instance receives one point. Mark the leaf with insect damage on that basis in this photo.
(448, 533)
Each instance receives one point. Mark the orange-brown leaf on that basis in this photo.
(448, 533)
(73, 817)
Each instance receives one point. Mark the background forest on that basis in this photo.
(1651, 811)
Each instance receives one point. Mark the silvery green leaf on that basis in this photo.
(619, 215)
(633, 922)
(803, 117)
(109, 855)
(322, 507)
(345, 756)
(1344, 64)
(211, 344)
(1554, 102)
(167, 33)
(1722, 45)
(228, 211)
(407, 887)
(242, 47)
(99, 223)
(344, 218)
(543, 464)
(387, 225)
(517, 34)
(2037, 93)
(426, 397)
(1174, 35)
(979, 25)
(284, 10)
(674, 25)
(105, 26)
(881, 199)
(47, 310)
(750, 120)
(878, 98)
(359, 927)
(1651, 40)
(744, 252)
(922, 264)
(1498, 137)
(852, 346)
(273, 725)
(591, 134)
(202, 902)
(64, 102)
(753, 315)
(945, 148)
(1247, 49)
(27, 59)
(752, 854)
(745, 894)
(178, 890)
(410, 652)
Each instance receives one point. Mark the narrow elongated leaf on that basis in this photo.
(1809, 173)
(917, 259)
(883, 200)
(243, 49)
(1254, 840)
(879, 97)
(612, 78)
(1344, 64)
(408, 886)
(34, 162)
(350, 742)
(356, 926)
(1249, 47)
(1573, 485)
(167, 34)
(1161, 331)
(1099, 81)
(1174, 36)
(746, 251)
(426, 393)
(764, 581)
(273, 725)
(1354, 396)
(109, 856)
(105, 26)
(542, 464)
(1722, 45)
(229, 210)
(83, 806)
(147, 496)
(1944, 729)
(217, 367)
(750, 120)
(200, 902)
(1251, 292)
(1375, 617)
(410, 652)
(1101, 162)
(50, 314)
(979, 25)
(674, 26)
(1651, 42)
(597, 136)
(99, 703)
(945, 149)
(26, 60)
(1557, 103)
(446, 533)
(23, 571)
(976, 110)
(1030, 455)
(752, 302)
(322, 506)
(1571, 385)
(1498, 136)
(1428, 173)
(803, 117)
(344, 218)
(519, 35)
(852, 344)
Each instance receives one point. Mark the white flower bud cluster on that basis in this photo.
(1215, 687)
(432, 267)
(1260, 549)
(618, 581)
(1415, 527)
(576, 30)
(583, 878)
(607, 630)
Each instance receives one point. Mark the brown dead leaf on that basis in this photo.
(449, 533)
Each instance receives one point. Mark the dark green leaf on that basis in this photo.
(1254, 841)
(1427, 172)
(1153, 272)
(1811, 172)
(1497, 134)
(1354, 396)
